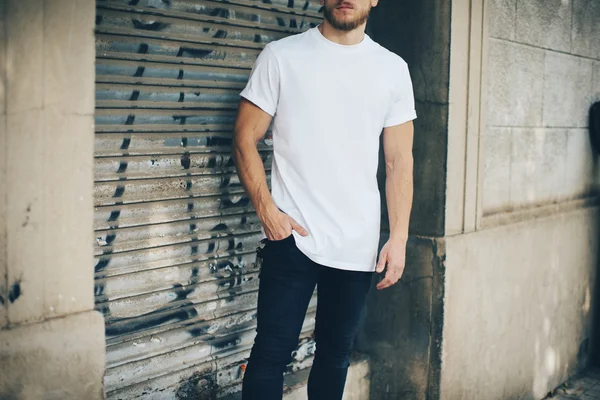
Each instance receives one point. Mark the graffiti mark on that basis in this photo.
(139, 72)
(225, 181)
(185, 161)
(135, 95)
(130, 119)
(221, 344)
(119, 191)
(152, 26)
(181, 118)
(125, 144)
(14, 292)
(98, 289)
(26, 222)
(102, 264)
(218, 141)
(221, 34)
(122, 167)
(135, 324)
(242, 202)
(114, 215)
(194, 53)
(195, 332)
(156, 318)
(110, 238)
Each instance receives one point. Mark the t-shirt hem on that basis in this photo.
(335, 264)
(400, 120)
(260, 103)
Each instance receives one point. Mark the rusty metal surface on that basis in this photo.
(175, 268)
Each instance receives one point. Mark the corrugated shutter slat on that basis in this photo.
(176, 235)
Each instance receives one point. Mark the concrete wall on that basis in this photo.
(51, 342)
(518, 307)
(420, 33)
(402, 329)
(544, 73)
(519, 288)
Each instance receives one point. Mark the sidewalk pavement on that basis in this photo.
(584, 387)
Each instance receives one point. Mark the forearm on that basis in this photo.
(399, 196)
(251, 172)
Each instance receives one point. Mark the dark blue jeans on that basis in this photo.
(287, 281)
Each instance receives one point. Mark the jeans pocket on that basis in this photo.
(276, 252)
(284, 240)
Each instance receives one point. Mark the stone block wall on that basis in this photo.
(518, 307)
(51, 339)
(543, 75)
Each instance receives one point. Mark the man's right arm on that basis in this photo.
(250, 126)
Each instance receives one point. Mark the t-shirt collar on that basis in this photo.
(342, 47)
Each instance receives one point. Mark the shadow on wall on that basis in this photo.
(594, 127)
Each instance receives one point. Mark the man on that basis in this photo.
(331, 91)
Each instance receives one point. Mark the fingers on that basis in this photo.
(297, 227)
(391, 277)
(382, 260)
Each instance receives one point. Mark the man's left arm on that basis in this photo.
(397, 144)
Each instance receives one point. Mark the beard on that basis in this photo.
(345, 25)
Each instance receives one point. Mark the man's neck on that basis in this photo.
(346, 38)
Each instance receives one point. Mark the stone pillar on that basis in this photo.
(51, 340)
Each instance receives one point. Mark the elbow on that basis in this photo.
(402, 164)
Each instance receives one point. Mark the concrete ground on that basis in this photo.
(584, 387)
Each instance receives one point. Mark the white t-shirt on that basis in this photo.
(330, 103)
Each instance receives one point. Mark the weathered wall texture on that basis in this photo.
(420, 33)
(403, 327)
(544, 73)
(519, 293)
(46, 156)
(57, 359)
(518, 307)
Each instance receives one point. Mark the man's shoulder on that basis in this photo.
(288, 43)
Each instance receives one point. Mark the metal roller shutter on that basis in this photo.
(175, 255)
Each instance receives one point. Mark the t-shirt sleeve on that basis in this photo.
(402, 108)
(263, 86)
